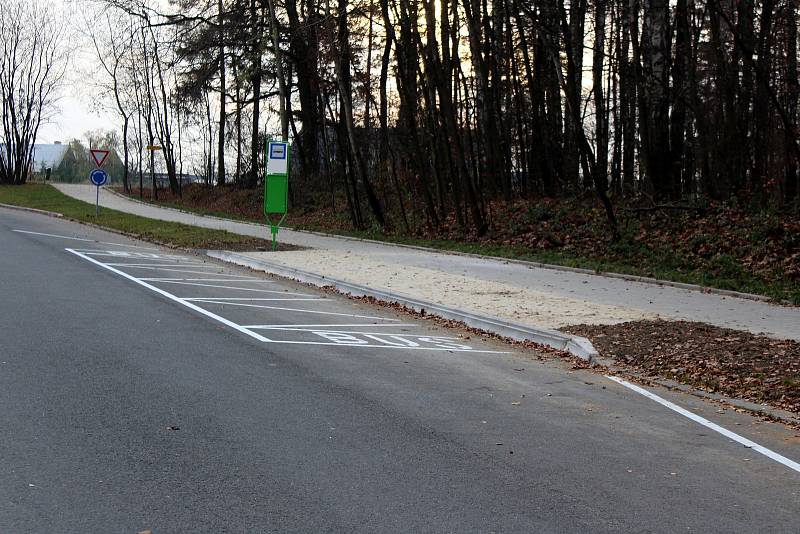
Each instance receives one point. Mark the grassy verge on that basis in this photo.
(45, 197)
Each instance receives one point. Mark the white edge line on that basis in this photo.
(182, 264)
(319, 326)
(354, 345)
(175, 299)
(708, 424)
(119, 253)
(54, 235)
(204, 280)
(254, 290)
(81, 239)
(215, 299)
(180, 270)
(299, 310)
(386, 334)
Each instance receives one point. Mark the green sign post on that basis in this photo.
(276, 186)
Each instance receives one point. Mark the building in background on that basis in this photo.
(71, 163)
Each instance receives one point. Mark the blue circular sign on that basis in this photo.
(98, 177)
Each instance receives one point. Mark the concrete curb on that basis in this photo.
(532, 264)
(575, 345)
(32, 210)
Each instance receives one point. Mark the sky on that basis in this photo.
(72, 118)
(76, 110)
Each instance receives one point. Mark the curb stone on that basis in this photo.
(575, 345)
(529, 264)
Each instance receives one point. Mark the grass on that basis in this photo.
(45, 197)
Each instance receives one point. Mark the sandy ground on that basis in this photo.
(456, 291)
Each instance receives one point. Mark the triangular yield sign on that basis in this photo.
(99, 156)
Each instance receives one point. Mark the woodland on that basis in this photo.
(444, 118)
(413, 113)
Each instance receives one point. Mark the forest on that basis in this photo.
(415, 110)
(415, 114)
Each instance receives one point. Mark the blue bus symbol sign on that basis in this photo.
(98, 177)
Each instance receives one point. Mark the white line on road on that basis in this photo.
(237, 288)
(708, 424)
(181, 264)
(205, 280)
(403, 347)
(337, 339)
(174, 298)
(81, 239)
(301, 311)
(329, 328)
(123, 254)
(179, 270)
(211, 299)
(314, 326)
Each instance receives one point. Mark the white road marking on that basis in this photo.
(367, 346)
(181, 264)
(332, 338)
(81, 239)
(211, 299)
(238, 288)
(180, 271)
(205, 280)
(330, 328)
(708, 424)
(301, 311)
(314, 326)
(174, 298)
(125, 254)
(55, 235)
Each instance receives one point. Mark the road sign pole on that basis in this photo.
(98, 177)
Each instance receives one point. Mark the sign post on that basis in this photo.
(98, 176)
(276, 186)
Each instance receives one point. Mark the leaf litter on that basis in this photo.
(714, 359)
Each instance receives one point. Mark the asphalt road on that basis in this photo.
(149, 389)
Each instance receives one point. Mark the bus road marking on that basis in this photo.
(315, 334)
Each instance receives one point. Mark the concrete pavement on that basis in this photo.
(518, 292)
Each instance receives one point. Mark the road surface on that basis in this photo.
(150, 389)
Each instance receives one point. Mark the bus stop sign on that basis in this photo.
(276, 185)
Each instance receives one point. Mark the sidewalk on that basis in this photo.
(521, 293)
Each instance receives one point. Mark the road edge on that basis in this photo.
(575, 345)
(32, 210)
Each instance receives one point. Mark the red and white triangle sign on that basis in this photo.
(99, 156)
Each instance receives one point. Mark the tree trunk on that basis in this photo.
(343, 79)
(655, 137)
(221, 136)
(601, 127)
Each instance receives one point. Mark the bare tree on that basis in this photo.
(113, 54)
(32, 64)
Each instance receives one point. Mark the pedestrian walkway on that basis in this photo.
(522, 293)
